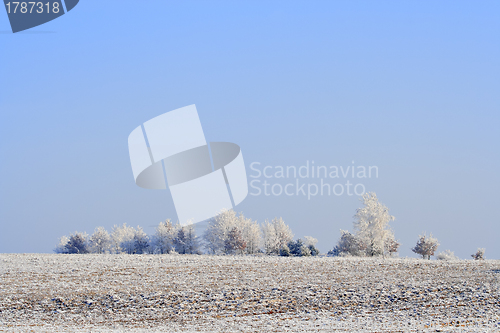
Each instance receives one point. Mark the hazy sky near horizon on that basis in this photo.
(409, 87)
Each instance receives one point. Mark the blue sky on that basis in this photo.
(411, 87)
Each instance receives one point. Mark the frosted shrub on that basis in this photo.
(348, 245)
(479, 255)
(285, 251)
(313, 250)
(77, 244)
(426, 246)
(298, 248)
(311, 242)
(446, 255)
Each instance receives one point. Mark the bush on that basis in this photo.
(479, 255)
(311, 242)
(299, 249)
(313, 250)
(446, 255)
(348, 245)
(285, 251)
(61, 247)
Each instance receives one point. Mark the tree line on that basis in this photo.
(227, 233)
(230, 233)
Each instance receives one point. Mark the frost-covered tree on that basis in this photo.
(78, 243)
(283, 232)
(164, 237)
(61, 247)
(100, 241)
(269, 238)
(180, 242)
(446, 255)
(373, 236)
(192, 243)
(426, 246)
(234, 243)
(479, 255)
(251, 234)
(141, 241)
(217, 231)
(348, 245)
(371, 224)
(276, 235)
(187, 241)
(122, 239)
(391, 247)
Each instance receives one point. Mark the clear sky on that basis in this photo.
(409, 86)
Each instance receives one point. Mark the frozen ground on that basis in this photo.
(169, 293)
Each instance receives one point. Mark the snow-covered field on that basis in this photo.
(168, 293)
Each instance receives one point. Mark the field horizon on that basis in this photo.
(205, 293)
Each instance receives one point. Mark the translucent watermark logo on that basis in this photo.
(28, 14)
(203, 178)
(310, 180)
